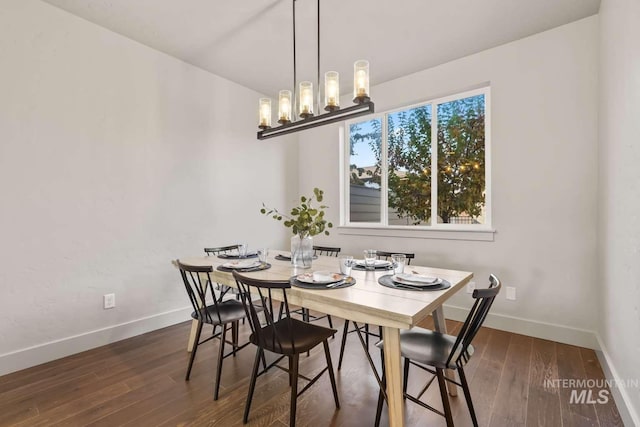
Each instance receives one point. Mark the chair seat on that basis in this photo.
(230, 311)
(428, 347)
(305, 336)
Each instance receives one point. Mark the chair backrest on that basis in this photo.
(386, 255)
(197, 279)
(326, 250)
(220, 250)
(265, 289)
(484, 299)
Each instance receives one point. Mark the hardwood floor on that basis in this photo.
(140, 382)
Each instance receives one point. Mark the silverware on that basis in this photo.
(335, 284)
(405, 286)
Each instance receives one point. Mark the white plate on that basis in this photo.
(241, 264)
(416, 280)
(378, 263)
(325, 277)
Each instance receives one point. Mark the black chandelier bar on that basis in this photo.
(320, 120)
(290, 107)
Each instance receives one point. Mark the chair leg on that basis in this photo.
(345, 331)
(238, 298)
(467, 395)
(380, 394)
(252, 384)
(294, 391)
(234, 334)
(290, 371)
(331, 373)
(223, 337)
(264, 361)
(305, 318)
(194, 349)
(379, 409)
(405, 380)
(330, 322)
(445, 396)
(366, 331)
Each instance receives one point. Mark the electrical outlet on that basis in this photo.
(470, 287)
(511, 293)
(109, 301)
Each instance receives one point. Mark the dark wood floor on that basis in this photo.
(140, 382)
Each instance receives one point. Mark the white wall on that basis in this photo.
(619, 193)
(544, 144)
(114, 160)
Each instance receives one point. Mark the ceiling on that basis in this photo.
(249, 41)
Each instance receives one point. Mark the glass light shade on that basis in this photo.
(265, 113)
(331, 91)
(284, 106)
(305, 101)
(361, 81)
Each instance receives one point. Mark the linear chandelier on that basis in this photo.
(302, 99)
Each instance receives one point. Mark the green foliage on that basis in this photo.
(461, 159)
(303, 219)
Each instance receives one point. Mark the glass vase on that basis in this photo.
(301, 251)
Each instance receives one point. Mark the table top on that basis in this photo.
(366, 301)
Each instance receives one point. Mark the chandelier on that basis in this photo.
(301, 102)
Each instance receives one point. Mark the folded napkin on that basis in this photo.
(418, 278)
(324, 276)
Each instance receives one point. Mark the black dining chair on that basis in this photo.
(210, 310)
(365, 327)
(282, 335)
(218, 251)
(386, 255)
(326, 250)
(435, 352)
(221, 250)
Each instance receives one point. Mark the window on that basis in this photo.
(406, 164)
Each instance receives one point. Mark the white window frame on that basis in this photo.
(434, 230)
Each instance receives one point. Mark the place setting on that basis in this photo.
(241, 253)
(413, 282)
(322, 280)
(370, 262)
(247, 265)
(286, 256)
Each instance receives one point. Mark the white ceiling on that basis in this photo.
(250, 42)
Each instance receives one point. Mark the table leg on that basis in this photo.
(441, 326)
(394, 375)
(192, 335)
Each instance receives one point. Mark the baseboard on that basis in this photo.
(629, 415)
(42, 353)
(532, 328)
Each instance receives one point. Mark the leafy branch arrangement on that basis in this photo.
(304, 220)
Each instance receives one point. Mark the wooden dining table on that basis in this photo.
(365, 302)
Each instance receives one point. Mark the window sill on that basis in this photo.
(448, 233)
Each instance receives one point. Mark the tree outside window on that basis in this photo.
(406, 138)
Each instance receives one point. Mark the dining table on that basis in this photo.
(365, 302)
